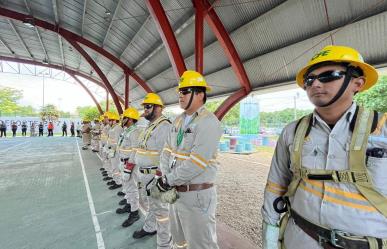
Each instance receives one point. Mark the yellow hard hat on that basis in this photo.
(106, 114)
(101, 118)
(341, 54)
(152, 98)
(113, 116)
(192, 79)
(86, 120)
(132, 113)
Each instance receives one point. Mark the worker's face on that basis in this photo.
(185, 96)
(327, 84)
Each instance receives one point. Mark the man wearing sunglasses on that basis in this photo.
(147, 159)
(189, 167)
(329, 189)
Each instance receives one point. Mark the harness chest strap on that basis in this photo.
(144, 136)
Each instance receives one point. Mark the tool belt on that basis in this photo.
(332, 239)
(194, 187)
(152, 170)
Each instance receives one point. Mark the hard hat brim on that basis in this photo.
(369, 72)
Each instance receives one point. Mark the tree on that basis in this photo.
(49, 112)
(88, 112)
(8, 100)
(374, 98)
(232, 116)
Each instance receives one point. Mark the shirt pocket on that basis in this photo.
(313, 155)
(377, 168)
(188, 140)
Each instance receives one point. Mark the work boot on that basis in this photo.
(105, 174)
(133, 217)
(94, 150)
(115, 186)
(120, 193)
(125, 209)
(122, 202)
(141, 233)
(102, 169)
(107, 178)
(111, 183)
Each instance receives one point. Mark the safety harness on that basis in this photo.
(144, 136)
(365, 122)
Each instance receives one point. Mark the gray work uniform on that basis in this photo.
(148, 157)
(127, 151)
(103, 151)
(329, 204)
(113, 157)
(86, 137)
(192, 216)
(95, 136)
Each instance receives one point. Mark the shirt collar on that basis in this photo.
(348, 115)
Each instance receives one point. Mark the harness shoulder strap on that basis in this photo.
(302, 128)
(357, 161)
(146, 134)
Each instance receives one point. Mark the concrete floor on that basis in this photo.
(52, 197)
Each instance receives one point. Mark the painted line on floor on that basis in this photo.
(13, 147)
(243, 160)
(98, 233)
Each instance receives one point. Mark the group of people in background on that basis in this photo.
(40, 129)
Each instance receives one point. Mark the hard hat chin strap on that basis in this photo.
(190, 100)
(342, 89)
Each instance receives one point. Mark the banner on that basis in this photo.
(36, 120)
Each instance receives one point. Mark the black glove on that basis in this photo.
(162, 184)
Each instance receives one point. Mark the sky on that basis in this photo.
(67, 95)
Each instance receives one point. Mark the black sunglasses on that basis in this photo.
(148, 106)
(325, 77)
(185, 91)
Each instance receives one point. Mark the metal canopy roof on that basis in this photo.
(273, 38)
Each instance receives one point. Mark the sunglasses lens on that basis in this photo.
(185, 91)
(330, 76)
(324, 77)
(148, 106)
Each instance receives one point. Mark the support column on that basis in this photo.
(126, 90)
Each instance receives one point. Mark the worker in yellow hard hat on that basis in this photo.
(189, 167)
(128, 144)
(114, 133)
(86, 137)
(147, 158)
(326, 176)
(96, 135)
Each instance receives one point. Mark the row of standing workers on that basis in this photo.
(327, 184)
(171, 167)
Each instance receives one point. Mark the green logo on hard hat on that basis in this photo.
(181, 79)
(320, 54)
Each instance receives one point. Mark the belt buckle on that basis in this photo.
(333, 239)
(187, 188)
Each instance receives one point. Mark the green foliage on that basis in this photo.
(232, 116)
(8, 100)
(374, 98)
(49, 112)
(281, 118)
(88, 112)
(112, 106)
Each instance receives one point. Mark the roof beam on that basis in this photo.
(83, 16)
(99, 72)
(131, 41)
(111, 22)
(6, 46)
(20, 38)
(56, 15)
(46, 59)
(167, 35)
(88, 91)
(68, 35)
